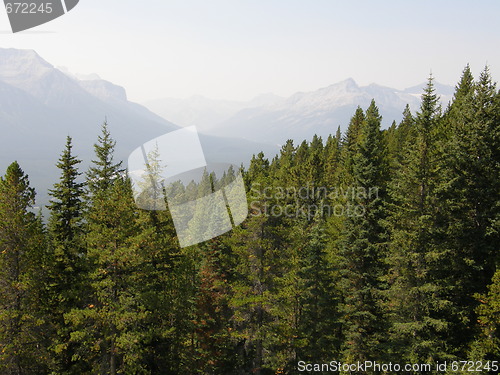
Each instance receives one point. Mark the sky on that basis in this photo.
(238, 49)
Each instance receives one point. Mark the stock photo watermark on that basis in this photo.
(205, 199)
(310, 201)
(24, 15)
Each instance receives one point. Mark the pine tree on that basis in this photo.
(350, 145)
(332, 159)
(453, 217)
(107, 330)
(23, 347)
(66, 262)
(315, 165)
(400, 138)
(361, 247)
(213, 351)
(166, 291)
(285, 164)
(258, 256)
(419, 267)
(487, 343)
(319, 328)
(471, 163)
(484, 172)
(105, 170)
(406, 129)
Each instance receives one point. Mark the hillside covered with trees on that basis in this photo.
(370, 245)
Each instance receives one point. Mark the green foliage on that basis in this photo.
(66, 260)
(100, 176)
(373, 245)
(487, 344)
(23, 347)
(360, 251)
(419, 293)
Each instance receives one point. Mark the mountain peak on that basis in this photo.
(348, 82)
(347, 85)
(326, 97)
(22, 57)
(17, 64)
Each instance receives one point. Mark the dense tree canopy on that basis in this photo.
(370, 245)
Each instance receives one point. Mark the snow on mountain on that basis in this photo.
(443, 90)
(320, 112)
(274, 119)
(40, 105)
(17, 65)
(337, 95)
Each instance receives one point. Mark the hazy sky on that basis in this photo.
(237, 49)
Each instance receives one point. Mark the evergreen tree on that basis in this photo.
(350, 145)
(419, 278)
(23, 329)
(66, 262)
(166, 290)
(213, 351)
(332, 159)
(109, 329)
(405, 130)
(487, 343)
(361, 251)
(400, 138)
(319, 328)
(453, 217)
(101, 175)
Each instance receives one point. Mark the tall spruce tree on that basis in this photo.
(319, 328)
(420, 287)
(486, 345)
(100, 176)
(472, 160)
(332, 159)
(23, 327)
(67, 256)
(109, 328)
(350, 145)
(453, 219)
(361, 248)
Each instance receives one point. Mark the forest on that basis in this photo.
(372, 245)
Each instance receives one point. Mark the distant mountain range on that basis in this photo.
(202, 112)
(298, 117)
(40, 105)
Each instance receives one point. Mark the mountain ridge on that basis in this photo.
(300, 115)
(40, 105)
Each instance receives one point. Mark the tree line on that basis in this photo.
(370, 245)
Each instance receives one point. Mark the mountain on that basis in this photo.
(273, 119)
(202, 112)
(445, 91)
(320, 112)
(40, 105)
